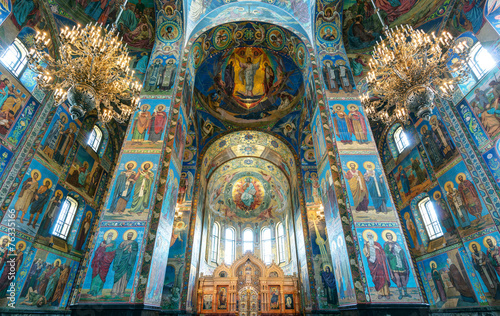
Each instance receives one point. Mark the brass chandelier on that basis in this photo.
(408, 69)
(92, 71)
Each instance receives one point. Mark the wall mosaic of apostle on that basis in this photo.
(46, 280)
(485, 261)
(113, 264)
(387, 265)
(147, 126)
(132, 189)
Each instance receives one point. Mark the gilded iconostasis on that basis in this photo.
(251, 156)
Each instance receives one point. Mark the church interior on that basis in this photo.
(250, 157)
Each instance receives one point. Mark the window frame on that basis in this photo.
(477, 52)
(247, 243)
(214, 249)
(229, 244)
(401, 139)
(62, 226)
(95, 138)
(430, 218)
(267, 246)
(281, 242)
(18, 64)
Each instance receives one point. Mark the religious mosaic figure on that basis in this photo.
(268, 78)
(444, 140)
(103, 257)
(64, 143)
(469, 195)
(168, 76)
(358, 187)
(459, 283)
(85, 226)
(398, 264)
(34, 298)
(493, 252)
(40, 199)
(10, 266)
(486, 271)
(158, 122)
(50, 217)
(142, 190)
(377, 263)
(415, 165)
(229, 78)
(141, 124)
(403, 180)
(153, 76)
(438, 282)
(53, 137)
(358, 123)
(123, 188)
(457, 205)
(329, 285)
(343, 126)
(52, 275)
(247, 75)
(345, 79)
(330, 77)
(124, 262)
(275, 304)
(443, 213)
(61, 284)
(27, 194)
(431, 146)
(410, 225)
(376, 187)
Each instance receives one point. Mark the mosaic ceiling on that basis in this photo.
(247, 189)
(248, 144)
(249, 74)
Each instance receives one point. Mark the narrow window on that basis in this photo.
(14, 58)
(247, 240)
(430, 218)
(400, 139)
(95, 138)
(281, 243)
(65, 218)
(229, 245)
(481, 61)
(267, 254)
(215, 242)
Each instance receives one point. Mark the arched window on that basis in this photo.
(267, 250)
(481, 61)
(430, 218)
(281, 243)
(65, 218)
(229, 246)
(247, 240)
(95, 138)
(14, 58)
(215, 242)
(400, 139)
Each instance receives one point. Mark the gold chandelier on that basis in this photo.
(408, 69)
(92, 71)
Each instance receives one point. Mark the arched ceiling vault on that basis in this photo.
(294, 13)
(253, 144)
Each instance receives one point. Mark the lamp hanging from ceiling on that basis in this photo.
(92, 71)
(408, 69)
